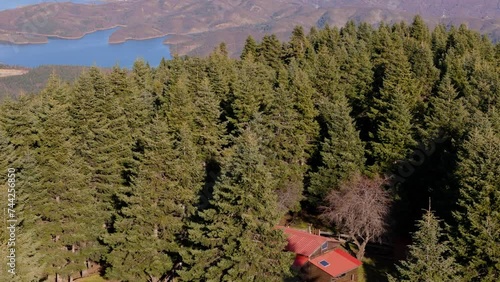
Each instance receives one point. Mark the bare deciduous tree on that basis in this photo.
(289, 196)
(360, 208)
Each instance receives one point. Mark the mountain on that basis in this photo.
(195, 27)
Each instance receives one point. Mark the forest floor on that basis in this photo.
(93, 278)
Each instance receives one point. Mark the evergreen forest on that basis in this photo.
(185, 170)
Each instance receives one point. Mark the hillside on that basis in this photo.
(11, 72)
(32, 80)
(195, 27)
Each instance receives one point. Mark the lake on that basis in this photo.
(92, 49)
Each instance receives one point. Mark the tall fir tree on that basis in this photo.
(438, 119)
(270, 51)
(476, 241)
(235, 239)
(69, 239)
(356, 75)
(250, 48)
(210, 129)
(419, 30)
(391, 111)
(250, 93)
(142, 75)
(304, 94)
(341, 153)
(19, 133)
(284, 144)
(145, 243)
(299, 48)
(438, 45)
(429, 256)
(104, 144)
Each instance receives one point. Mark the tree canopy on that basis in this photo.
(186, 168)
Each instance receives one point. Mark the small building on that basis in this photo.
(320, 259)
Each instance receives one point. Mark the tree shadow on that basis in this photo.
(378, 262)
(212, 173)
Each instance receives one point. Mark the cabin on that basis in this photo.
(320, 259)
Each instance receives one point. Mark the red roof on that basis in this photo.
(303, 243)
(300, 260)
(336, 262)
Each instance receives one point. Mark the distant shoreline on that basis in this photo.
(50, 36)
(84, 34)
(135, 39)
(23, 43)
(110, 41)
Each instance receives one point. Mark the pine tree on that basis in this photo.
(438, 45)
(459, 72)
(328, 37)
(391, 110)
(146, 238)
(236, 239)
(58, 219)
(304, 95)
(179, 104)
(284, 143)
(250, 92)
(429, 256)
(421, 60)
(356, 74)
(141, 75)
(400, 30)
(210, 130)
(342, 152)
(221, 73)
(270, 51)
(119, 83)
(19, 136)
(250, 48)
(476, 244)
(484, 81)
(298, 46)
(438, 118)
(349, 30)
(419, 30)
(103, 148)
(160, 77)
(497, 55)
(326, 78)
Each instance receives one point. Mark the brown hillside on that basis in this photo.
(195, 27)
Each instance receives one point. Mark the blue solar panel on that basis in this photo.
(324, 263)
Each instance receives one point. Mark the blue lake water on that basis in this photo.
(92, 49)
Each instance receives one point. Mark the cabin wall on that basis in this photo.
(348, 277)
(311, 273)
